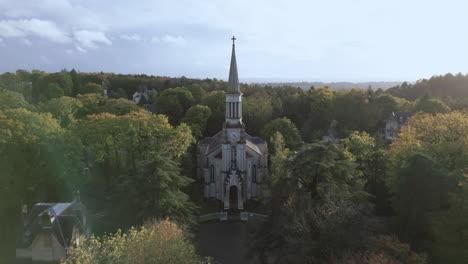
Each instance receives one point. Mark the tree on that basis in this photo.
(352, 111)
(323, 213)
(321, 112)
(216, 101)
(9, 100)
(256, 113)
(287, 129)
(53, 85)
(419, 187)
(155, 242)
(98, 103)
(174, 103)
(197, 117)
(52, 90)
(41, 162)
(137, 155)
(361, 148)
(431, 151)
(90, 88)
(64, 109)
(440, 136)
(198, 92)
(431, 106)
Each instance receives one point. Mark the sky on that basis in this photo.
(277, 40)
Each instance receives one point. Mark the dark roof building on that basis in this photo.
(50, 229)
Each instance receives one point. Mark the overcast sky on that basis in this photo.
(333, 40)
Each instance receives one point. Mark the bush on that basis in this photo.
(155, 242)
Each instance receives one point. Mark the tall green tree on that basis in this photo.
(287, 129)
(256, 113)
(174, 103)
(216, 101)
(197, 117)
(64, 109)
(323, 214)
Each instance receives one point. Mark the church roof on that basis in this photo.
(233, 86)
(213, 143)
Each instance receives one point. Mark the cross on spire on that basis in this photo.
(233, 40)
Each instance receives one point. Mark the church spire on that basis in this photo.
(233, 94)
(233, 86)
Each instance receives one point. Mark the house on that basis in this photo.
(105, 89)
(142, 93)
(394, 123)
(233, 164)
(332, 134)
(50, 229)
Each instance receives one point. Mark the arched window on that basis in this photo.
(212, 174)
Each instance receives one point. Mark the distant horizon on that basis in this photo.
(261, 80)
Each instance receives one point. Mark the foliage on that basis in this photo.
(256, 113)
(419, 187)
(197, 117)
(323, 211)
(442, 87)
(98, 103)
(216, 101)
(155, 242)
(321, 112)
(53, 85)
(366, 258)
(288, 130)
(432, 106)
(135, 155)
(90, 88)
(441, 136)
(174, 103)
(40, 162)
(64, 109)
(359, 146)
(9, 100)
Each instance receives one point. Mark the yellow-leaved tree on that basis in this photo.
(155, 242)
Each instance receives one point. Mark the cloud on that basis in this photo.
(33, 27)
(176, 40)
(155, 40)
(133, 37)
(26, 42)
(80, 49)
(45, 60)
(89, 39)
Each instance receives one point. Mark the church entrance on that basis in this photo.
(233, 197)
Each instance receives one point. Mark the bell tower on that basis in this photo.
(233, 94)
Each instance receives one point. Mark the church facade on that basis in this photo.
(232, 164)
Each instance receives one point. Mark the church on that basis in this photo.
(232, 164)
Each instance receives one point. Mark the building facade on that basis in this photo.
(50, 229)
(394, 123)
(232, 164)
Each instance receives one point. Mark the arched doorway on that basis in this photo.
(233, 197)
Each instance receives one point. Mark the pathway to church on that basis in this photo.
(224, 241)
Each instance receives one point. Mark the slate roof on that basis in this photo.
(62, 217)
(401, 117)
(233, 83)
(214, 142)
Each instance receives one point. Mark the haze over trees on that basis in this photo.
(359, 199)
